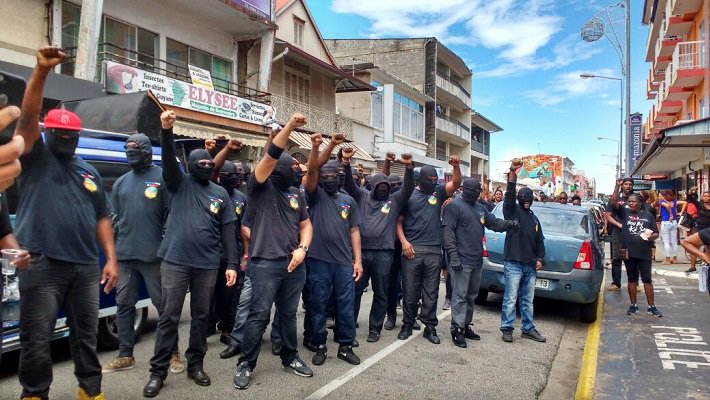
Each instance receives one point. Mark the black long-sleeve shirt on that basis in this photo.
(703, 218)
(527, 244)
(202, 218)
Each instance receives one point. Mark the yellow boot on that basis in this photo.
(83, 396)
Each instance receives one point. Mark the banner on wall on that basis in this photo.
(634, 146)
(121, 79)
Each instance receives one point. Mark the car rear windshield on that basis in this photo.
(559, 221)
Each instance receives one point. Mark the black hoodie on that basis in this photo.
(527, 244)
(379, 217)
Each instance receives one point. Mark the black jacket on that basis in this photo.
(527, 244)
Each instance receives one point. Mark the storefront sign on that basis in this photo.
(634, 152)
(121, 78)
(201, 77)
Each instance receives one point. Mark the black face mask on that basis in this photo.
(141, 156)
(198, 173)
(471, 190)
(228, 176)
(284, 176)
(356, 179)
(395, 183)
(425, 175)
(525, 195)
(381, 192)
(63, 149)
(330, 183)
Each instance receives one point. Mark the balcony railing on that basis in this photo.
(688, 55)
(454, 87)
(452, 126)
(319, 120)
(146, 62)
(478, 146)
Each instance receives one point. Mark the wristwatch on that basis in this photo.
(304, 247)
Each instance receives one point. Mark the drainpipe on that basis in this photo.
(273, 60)
(88, 40)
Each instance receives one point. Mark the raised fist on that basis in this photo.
(337, 138)
(297, 120)
(235, 145)
(515, 164)
(390, 157)
(316, 140)
(167, 119)
(406, 159)
(210, 144)
(454, 160)
(49, 57)
(348, 153)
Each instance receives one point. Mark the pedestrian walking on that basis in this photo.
(523, 256)
(669, 225)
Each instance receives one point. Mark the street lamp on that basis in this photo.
(595, 29)
(618, 157)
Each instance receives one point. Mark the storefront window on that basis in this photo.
(71, 14)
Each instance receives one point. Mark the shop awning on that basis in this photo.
(675, 148)
(59, 87)
(199, 131)
(303, 141)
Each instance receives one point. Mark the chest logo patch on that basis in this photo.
(386, 207)
(293, 201)
(215, 205)
(89, 183)
(344, 211)
(151, 190)
(433, 200)
(238, 207)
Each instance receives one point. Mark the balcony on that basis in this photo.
(687, 68)
(110, 52)
(666, 109)
(664, 51)
(684, 6)
(678, 25)
(455, 89)
(319, 120)
(451, 126)
(478, 147)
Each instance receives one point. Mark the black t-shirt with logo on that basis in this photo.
(193, 236)
(332, 218)
(140, 201)
(58, 206)
(274, 218)
(422, 217)
(239, 200)
(633, 225)
(467, 221)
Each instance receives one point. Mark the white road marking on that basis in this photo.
(676, 274)
(352, 373)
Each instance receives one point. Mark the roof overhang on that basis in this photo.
(303, 141)
(346, 82)
(674, 148)
(484, 123)
(452, 59)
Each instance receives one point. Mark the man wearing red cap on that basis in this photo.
(62, 212)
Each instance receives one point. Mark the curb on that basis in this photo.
(588, 372)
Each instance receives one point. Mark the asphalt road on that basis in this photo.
(489, 369)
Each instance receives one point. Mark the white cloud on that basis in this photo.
(569, 85)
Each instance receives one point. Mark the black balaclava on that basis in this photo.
(141, 156)
(471, 190)
(395, 182)
(247, 172)
(425, 185)
(228, 176)
(341, 174)
(525, 195)
(368, 182)
(329, 184)
(63, 149)
(356, 179)
(239, 166)
(380, 187)
(200, 174)
(284, 176)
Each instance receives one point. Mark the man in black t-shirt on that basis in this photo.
(281, 234)
(334, 261)
(62, 212)
(200, 224)
(421, 247)
(626, 186)
(140, 207)
(379, 210)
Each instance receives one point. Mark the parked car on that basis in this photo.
(574, 257)
(105, 151)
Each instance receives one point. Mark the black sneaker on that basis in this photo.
(298, 367)
(633, 309)
(390, 324)
(430, 335)
(416, 326)
(242, 376)
(470, 334)
(321, 355)
(534, 335)
(457, 336)
(276, 348)
(373, 337)
(654, 311)
(405, 332)
(356, 343)
(310, 346)
(346, 354)
(508, 336)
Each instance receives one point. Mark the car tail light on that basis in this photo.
(485, 249)
(585, 259)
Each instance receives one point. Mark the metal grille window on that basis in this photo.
(297, 82)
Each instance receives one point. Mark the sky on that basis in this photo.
(526, 57)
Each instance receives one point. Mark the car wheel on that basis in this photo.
(481, 298)
(588, 312)
(108, 331)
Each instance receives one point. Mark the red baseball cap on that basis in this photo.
(62, 119)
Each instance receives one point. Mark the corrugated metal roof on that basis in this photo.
(303, 141)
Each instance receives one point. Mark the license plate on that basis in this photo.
(542, 283)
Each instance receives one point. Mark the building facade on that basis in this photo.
(481, 129)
